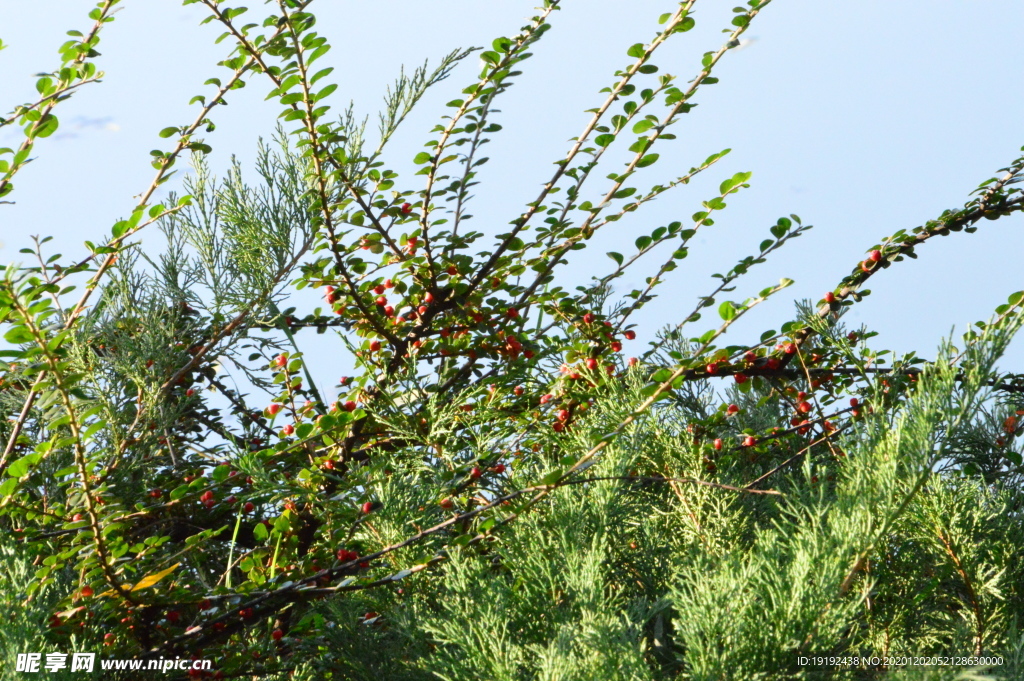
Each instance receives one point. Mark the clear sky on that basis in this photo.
(862, 118)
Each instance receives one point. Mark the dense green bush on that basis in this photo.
(497, 492)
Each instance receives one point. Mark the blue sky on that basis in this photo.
(862, 118)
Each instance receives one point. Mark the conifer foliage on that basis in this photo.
(497, 491)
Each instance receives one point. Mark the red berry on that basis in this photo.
(374, 345)
(422, 309)
(864, 266)
(389, 284)
(190, 392)
(499, 469)
(749, 357)
(633, 361)
(406, 208)
(429, 297)
(741, 378)
(629, 335)
(245, 613)
(562, 415)
(749, 441)
(207, 495)
(712, 368)
(512, 313)
(446, 503)
(381, 301)
(854, 402)
(558, 426)
(588, 318)
(546, 398)
(733, 409)
(518, 390)
(830, 297)
(528, 354)
(789, 348)
(281, 360)
(616, 346)
(172, 616)
(86, 591)
(274, 408)
(288, 429)
(591, 363)
(475, 472)
(803, 407)
(367, 507)
(277, 634)
(108, 639)
(249, 507)
(209, 503)
(452, 270)
(350, 405)
(875, 256)
(718, 445)
(155, 493)
(231, 499)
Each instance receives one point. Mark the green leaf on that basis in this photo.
(18, 334)
(8, 487)
(551, 478)
(661, 375)
(643, 126)
(648, 160)
(636, 50)
(22, 465)
(421, 158)
(617, 257)
(220, 473)
(604, 140)
(325, 92)
(727, 311)
(643, 242)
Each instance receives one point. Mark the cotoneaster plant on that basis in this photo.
(492, 416)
